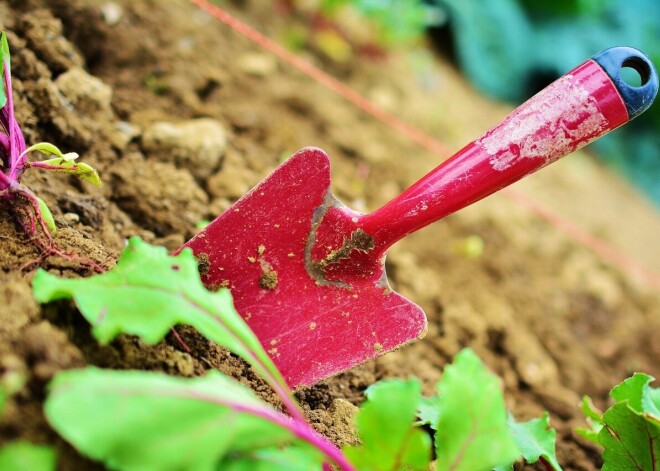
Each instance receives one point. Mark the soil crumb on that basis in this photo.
(268, 280)
(203, 263)
(359, 240)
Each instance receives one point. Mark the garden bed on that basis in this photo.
(546, 314)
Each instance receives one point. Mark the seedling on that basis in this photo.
(629, 431)
(143, 420)
(32, 212)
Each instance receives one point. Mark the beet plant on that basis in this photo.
(629, 430)
(31, 211)
(139, 420)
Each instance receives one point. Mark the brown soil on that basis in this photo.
(545, 313)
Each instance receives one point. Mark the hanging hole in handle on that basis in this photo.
(637, 98)
(635, 72)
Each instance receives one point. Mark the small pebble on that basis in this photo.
(112, 13)
(257, 64)
(71, 218)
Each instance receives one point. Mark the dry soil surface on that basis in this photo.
(182, 116)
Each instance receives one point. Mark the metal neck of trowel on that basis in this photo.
(581, 106)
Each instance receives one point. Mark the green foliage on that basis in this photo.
(149, 292)
(389, 440)
(48, 149)
(428, 410)
(634, 390)
(631, 427)
(22, 456)
(140, 420)
(397, 21)
(471, 424)
(566, 7)
(63, 163)
(629, 431)
(81, 170)
(14, 160)
(535, 439)
(594, 419)
(472, 430)
(5, 59)
(46, 215)
(488, 40)
(292, 458)
(201, 224)
(136, 420)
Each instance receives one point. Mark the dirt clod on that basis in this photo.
(197, 145)
(203, 263)
(268, 280)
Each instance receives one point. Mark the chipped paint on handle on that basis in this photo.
(542, 130)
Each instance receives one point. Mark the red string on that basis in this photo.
(598, 246)
(328, 81)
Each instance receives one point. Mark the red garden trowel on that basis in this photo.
(307, 273)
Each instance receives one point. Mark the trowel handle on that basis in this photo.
(581, 106)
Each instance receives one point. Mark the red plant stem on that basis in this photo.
(32, 199)
(43, 166)
(545, 464)
(51, 168)
(283, 392)
(278, 384)
(178, 338)
(4, 141)
(299, 428)
(9, 110)
(18, 145)
(5, 182)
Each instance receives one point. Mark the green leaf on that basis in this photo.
(535, 439)
(22, 456)
(148, 293)
(638, 392)
(272, 459)
(495, 42)
(428, 411)
(631, 390)
(67, 164)
(136, 420)
(594, 419)
(630, 440)
(385, 423)
(47, 216)
(87, 173)
(472, 428)
(653, 404)
(631, 428)
(6, 62)
(47, 149)
(3, 400)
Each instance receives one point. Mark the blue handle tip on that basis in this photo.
(637, 99)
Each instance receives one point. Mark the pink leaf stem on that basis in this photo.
(299, 428)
